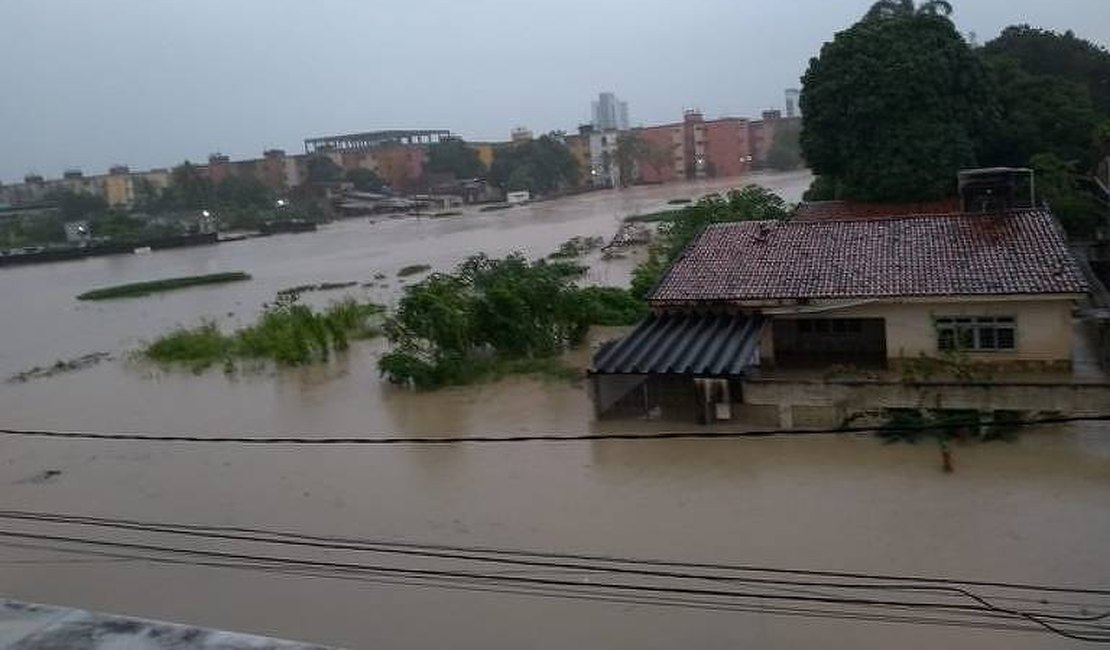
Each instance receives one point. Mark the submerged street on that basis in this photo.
(1031, 511)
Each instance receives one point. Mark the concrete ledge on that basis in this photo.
(26, 626)
(849, 396)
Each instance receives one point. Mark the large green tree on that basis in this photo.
(453, 156)
(786, 150)
(322, 169)
(1066, 56)
(365, 180)
(457, 327)
(539, 166)
(189, 189)
(631, 148)
(243, 192)
(79, 205)
(1037, 114)
(904, 8)
(1054, 96)
(1060, 186)
(893, 105)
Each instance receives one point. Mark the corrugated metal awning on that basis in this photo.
(684, 344)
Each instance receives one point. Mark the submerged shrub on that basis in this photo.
(495, 316)
(287, 333)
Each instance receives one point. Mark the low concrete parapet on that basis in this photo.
(828, 402)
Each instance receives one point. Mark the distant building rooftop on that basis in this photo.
(373, 139)
(1022, 252)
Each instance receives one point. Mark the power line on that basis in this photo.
(984, 606)
(347, 543)
(527, 559)
(377, 439)
(542, 583)
(565, 594)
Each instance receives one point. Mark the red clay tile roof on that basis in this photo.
(850, 210)
(939, 255)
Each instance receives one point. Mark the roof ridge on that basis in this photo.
(884, 218)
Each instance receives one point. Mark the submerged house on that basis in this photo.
(765, 312)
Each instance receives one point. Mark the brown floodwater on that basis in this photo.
(1035, 510)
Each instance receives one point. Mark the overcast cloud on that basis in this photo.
(91, 83)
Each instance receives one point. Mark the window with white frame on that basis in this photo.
(976, 333)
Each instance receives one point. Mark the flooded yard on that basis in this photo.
(1036, 510)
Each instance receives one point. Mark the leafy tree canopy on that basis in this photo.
(539, 166)
(243, 192)
(456, 327)
(1044, 52)
(79, 205)
(453, 156)
(905, 8)
(1058, 185)
(892, 106)
(188, 189)
(365, 180)
(1037, 113)
(786, 150)
(322, 169)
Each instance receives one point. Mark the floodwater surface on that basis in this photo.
(1034, 510)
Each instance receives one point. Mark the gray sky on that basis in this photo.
(91, 83)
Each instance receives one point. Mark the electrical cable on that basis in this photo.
(567, 594)
(548, 582)
(376, 439)
(457, 553)
(346, 543)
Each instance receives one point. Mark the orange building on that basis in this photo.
(666, 158)
(695, 148)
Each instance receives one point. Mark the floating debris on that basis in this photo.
(45, 476)
(414, 269)
(629, 234)
(323, 286)
(577, 247)
(60, 366)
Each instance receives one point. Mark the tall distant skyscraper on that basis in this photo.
(792, 107)
(609, 113)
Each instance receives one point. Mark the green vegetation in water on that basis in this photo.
(577, 247)
(943, 426)
(287, 333)
(912, 425)
(413, 269)
(496, 316)
(611, 306)
(156, 286)
(651, 217)
(323, 286)
(950, 365)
